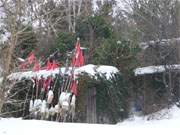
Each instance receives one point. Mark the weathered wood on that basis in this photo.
(91, 116)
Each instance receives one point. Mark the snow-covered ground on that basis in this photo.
(165, 122)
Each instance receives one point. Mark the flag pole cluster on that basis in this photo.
(77, 61)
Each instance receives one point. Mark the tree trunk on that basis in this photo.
(91, 42)
(7, 68)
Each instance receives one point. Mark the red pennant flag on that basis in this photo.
(78, 59)
(74, 87)
(54, 65)
(31, 58)
(23, 65)
(81, 58)
(47, 83)
(48, 65)
(37, 66)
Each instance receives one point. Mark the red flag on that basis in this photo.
(37, 66)
(74, 87)
(47, 83)
(78, 59)
(48, 65)
(81, 58)
(23, 65)
(31, 58)
(54, 65)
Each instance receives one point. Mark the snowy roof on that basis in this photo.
(155, 69)
(90, 69)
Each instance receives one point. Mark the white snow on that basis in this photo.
(155, 69)
(92, 70)
(89, 69)
(167, 125)
(145, 45)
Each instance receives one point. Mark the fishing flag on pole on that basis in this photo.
(37, 66)
(48, 65)
(23, 65)
(77, 61)
(31, 58)
(51, 65)
(28, 61)
(54, 65)
(78, 58)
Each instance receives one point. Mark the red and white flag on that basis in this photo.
(51, 65)
(31, 58)
(37, 66)
(78, 58)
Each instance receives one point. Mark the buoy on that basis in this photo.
(43, 107)
(65, 105)
(57, 108)
(50, 97)
(73, 100)
(37, 104)
(31, 106)
(52, 111)
(64, 97)
(47, 113)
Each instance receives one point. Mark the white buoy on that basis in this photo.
(37, 104)
(64, 97)
(43, 107)
(31, 106)
(65, 105)
(57, 108)
(47, 113)
(52, 111)
(50, 97)
(73, 100)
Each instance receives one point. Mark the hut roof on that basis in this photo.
(155, 69)
(90, 69)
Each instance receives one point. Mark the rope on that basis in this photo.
(37, 85)
(32, 94)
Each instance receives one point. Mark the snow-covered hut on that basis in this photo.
(90, 69)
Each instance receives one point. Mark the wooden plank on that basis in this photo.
(91, 106)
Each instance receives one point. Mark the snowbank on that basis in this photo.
(90, 69)
(155, 69)
(169, 124)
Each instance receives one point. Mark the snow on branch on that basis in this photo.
(155, 69)
(145, 45)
